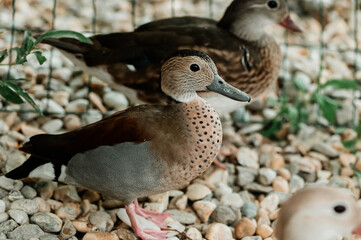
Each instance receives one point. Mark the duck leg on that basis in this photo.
(155, 217)
(146, 234)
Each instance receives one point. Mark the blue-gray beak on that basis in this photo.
(220, 86)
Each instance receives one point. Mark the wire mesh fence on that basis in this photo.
(322, 48)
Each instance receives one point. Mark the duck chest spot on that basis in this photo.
(205, 129)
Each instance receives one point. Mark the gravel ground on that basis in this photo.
(239, 203)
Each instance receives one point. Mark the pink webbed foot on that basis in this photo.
(155, 217)
(149, 234)
(146, 234)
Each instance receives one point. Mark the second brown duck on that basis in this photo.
(247, 57)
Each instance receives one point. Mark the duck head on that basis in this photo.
(187, 72)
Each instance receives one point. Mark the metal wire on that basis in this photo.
(323, 48)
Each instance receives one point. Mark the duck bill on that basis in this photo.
(220, 86)
(289, 24)
(357, 231)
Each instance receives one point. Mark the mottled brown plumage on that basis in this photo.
(133, 59)
(143, 150)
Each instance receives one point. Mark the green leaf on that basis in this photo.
(272, 129)
(26, 96)
(350, 144)
(3, 54)
(300, 84)
(340, 84)
(357, 173)
(9, 94)
(328, 106)
(64, 34)
(40, 57)
(18, 80)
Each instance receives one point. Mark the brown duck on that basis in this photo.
(246, 56)
(143, 150)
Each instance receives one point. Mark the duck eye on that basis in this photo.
(194, 67)
(272, 4)
(339, 209)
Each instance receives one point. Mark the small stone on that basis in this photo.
(97, 102)
(67, 193)
(232, 200)
(339, 182)
(72, 122)
(280, 185)
(322, 174)
(62, 74)
(10, 184)
(262, 217)
(27, 205)
(2, 206)
(254, 187)
(245, 227)
(245, 176)
(222, 189)
(249, 210)
(61, 98)
(125, 234)
(101, 220)
(347, 159)
(182, 216)
(68, 230)
(156, 207)
(100, 236)
(204, 209)
(162, 198)
(248, 158)
(144, 223)
(44, 206)
(28, 192)
(19, 216)
(30, 131)
(270, 203)
(218, 231)
(68, 211)
(347, 172)
(218, 175)
(3, 217)
(325, 149)
(253, 238)
(91, 196)
(197, 191)
(285, 173)
(266, 176)
(78, 105)
(276, 162)
(52, 126)
(223, 214)
(49, 222)
(25, 232)
(81, 226)
(115, 100)
(181, 202)
(296, 183)
(8, 226)
(53, 107)
(15, 195)
(175, 193)
(45, 188)
(194, 234)
(91, 116)
(264, 231)
(15, 159)
(174, 225)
